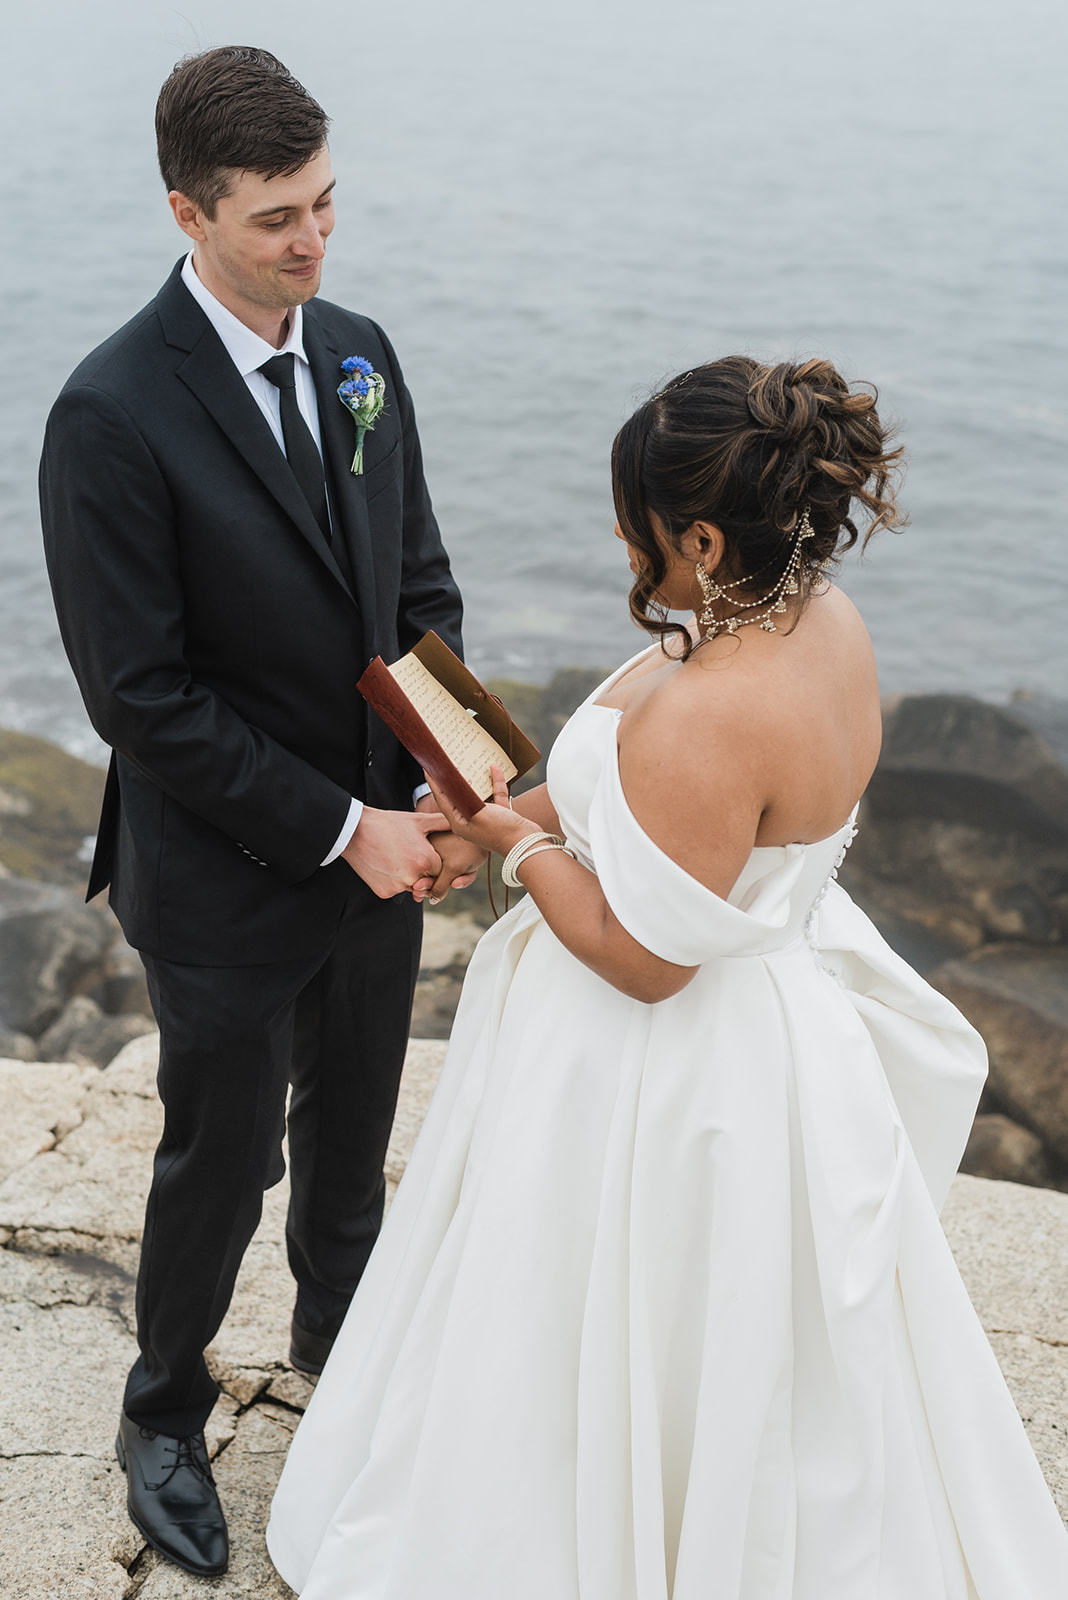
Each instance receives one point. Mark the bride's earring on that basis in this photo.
(710, 592)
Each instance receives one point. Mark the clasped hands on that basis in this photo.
(433, 849)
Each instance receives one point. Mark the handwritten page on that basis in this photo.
(468, 746)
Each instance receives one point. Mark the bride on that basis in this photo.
(662, 1309)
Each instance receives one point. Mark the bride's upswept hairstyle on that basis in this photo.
(748, 447)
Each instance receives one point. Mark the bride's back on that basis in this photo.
(760, 724)
(810, 704)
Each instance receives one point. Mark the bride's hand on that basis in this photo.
(496, 827)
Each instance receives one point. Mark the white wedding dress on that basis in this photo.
(662, 1309)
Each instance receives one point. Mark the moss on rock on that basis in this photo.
(49, 804)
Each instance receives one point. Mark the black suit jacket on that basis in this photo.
(217, 636)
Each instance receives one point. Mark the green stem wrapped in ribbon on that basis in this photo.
(364, 394)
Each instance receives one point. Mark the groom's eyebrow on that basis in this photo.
(276, 211)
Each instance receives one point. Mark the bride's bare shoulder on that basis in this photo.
(751, 727)
(831, 607)
(691, 714)
(685, 759)
(736, 682)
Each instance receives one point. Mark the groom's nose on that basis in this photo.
(310, 239)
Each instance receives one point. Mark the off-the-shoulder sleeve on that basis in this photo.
(666, 909)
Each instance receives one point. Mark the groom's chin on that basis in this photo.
(294, 290)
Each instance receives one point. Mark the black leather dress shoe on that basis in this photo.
(308, 1351)
(171, 1498)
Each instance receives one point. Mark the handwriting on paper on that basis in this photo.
(469, 747)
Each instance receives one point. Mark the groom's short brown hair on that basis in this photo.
(234, 109)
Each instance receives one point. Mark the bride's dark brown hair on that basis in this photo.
(747, 447)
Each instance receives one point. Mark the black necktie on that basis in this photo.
(301, 451)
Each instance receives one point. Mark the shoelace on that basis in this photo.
(185, 1455)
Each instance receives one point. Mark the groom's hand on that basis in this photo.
(390, 850)
(459, 865)
(459, 861)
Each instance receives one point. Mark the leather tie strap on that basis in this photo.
(301, 450)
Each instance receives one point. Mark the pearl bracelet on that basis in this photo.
(531, 844)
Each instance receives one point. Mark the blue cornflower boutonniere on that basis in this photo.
(364, 394)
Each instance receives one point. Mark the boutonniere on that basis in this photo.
(364, 394)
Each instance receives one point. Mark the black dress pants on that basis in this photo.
(232, 1039)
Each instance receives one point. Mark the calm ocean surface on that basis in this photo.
(552, 208)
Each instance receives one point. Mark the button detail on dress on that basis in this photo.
(814, 908)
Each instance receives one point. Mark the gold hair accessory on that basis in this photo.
(771, 604)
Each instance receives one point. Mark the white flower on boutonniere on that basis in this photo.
(364, 394)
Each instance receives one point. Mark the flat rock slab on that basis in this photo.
(76, 1149)
(61, 1368)
(1011, 1245)
(1037, 1376)
(77, 1160)
(64, 1532)
(448, 939)
(40, 1105)
(94, 1182)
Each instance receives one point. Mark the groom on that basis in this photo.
(222, 577)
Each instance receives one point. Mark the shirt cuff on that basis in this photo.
(424, 788)
(351, 821)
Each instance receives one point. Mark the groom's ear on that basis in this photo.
(187, 215)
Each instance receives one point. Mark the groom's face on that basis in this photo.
(263, 250)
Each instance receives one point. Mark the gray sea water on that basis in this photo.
(552, 208)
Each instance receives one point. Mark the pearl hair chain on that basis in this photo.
(771, 604)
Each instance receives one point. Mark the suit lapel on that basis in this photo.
(210, 374)
(348, 495)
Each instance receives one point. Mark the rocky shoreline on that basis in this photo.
(961, 860)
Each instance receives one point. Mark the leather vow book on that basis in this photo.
(445, 718)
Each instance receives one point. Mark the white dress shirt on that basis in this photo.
(248, 352)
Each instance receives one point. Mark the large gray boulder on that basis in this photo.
(1018, 999)
(17, 1047)
(541, 713)
(962, 861)
(85, 1034)
(993, 766)
(998, 1147)
(964, 836)
(51, 947)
